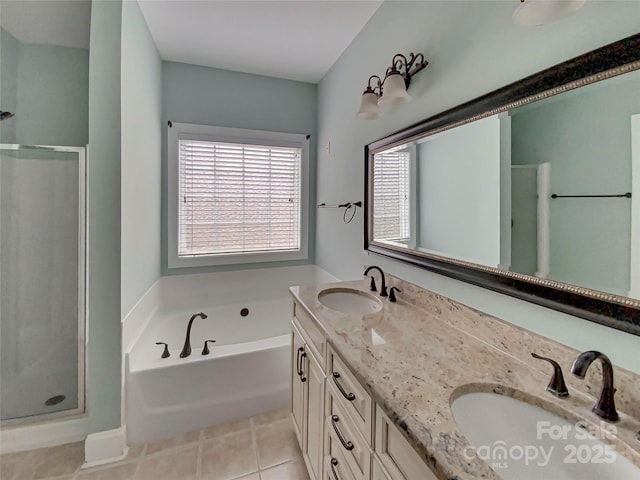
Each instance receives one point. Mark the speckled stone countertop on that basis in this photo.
(429, 350)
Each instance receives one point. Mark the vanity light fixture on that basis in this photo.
(396, 81)
(531, 13)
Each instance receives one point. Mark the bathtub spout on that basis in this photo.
(186, 350)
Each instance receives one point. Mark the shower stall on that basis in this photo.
(42, 282)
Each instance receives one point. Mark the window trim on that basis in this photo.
(232, 135)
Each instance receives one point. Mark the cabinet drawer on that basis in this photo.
(396, 455)
(335, 464)
(342, 430)
(311, 332)
(354, 397)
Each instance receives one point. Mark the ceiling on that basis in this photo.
(297, 40)
(65, 23)
(292, 39)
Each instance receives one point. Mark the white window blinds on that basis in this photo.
(391, 196)
(237, 198)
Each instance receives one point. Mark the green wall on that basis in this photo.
(141, 158)
(209, 96)
(9, 55)
(103, 219)
(473, 48)
(47, 87)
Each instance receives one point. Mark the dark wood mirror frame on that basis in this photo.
(614, 311)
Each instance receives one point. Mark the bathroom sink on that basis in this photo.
(522, 441)
(349, 300)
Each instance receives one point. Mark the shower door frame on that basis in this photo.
(82, 283)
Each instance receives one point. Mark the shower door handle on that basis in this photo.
(301, 356)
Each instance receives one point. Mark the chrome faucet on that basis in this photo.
(383, 286)
(186, 349)
(605, 407)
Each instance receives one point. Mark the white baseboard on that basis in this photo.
(43, 434)
(105, 447)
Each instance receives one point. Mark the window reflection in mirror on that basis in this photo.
(499, 191)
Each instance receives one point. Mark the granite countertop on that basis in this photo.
(418, 355)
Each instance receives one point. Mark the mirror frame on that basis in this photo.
(619, 312)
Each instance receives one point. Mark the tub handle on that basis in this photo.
(334, 462)
(165, 353)
(348, 445)
(301, 355)
(349, 396)
(205, 350)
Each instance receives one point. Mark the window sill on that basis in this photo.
(235, 259)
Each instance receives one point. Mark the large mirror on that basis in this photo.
(532, 190)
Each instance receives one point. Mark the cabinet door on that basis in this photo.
(377, 472)
(315, 415)
(298, 387)
(396, 455)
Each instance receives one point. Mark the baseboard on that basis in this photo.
(43, 434)
(105, 447)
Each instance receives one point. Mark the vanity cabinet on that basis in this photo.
(342, 433)
(307, 390)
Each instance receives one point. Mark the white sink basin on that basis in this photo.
(349, 300)
(521, 441)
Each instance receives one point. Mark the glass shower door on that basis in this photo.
(42, 281)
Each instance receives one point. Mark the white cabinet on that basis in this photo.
(399, 459)
(378, 472)
(314, 451)
(307, 390)
(299, 392)
(342, 433)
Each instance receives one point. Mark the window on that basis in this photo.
(238, 196)
(391, 179)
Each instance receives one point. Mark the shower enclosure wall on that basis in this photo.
(42, 282)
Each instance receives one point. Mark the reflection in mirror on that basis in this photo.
(544, 189)
(532, 190)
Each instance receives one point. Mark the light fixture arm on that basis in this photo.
(406, 68)
(378, 85)
(399, 75)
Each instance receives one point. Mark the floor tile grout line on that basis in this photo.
(199, 456)
(141, 457)
(254, 442)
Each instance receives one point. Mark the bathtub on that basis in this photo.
(248, 369)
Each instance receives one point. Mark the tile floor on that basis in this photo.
(263, 447)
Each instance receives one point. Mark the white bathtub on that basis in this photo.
(247, 371)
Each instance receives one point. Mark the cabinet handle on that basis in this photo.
(334, 462)
(300, 350)
(349, 396)
(301, 355)
(347, 445)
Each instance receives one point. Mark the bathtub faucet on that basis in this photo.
(186, 350)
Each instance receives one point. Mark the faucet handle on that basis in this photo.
(205, 350)
(373, 287)
(556, 386)
(165, 353)
(392, 293)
